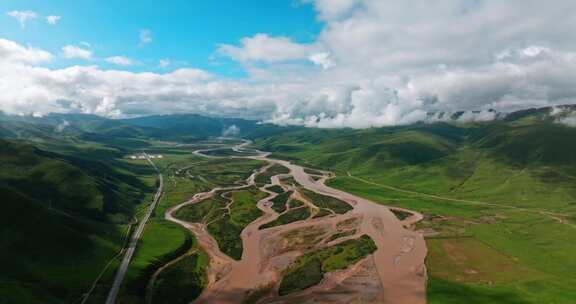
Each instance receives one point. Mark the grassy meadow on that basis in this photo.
(309, 269)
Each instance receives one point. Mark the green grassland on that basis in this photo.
(227, 229)
(342, 234)
(185, 175)
(198, 212)
(224, 152)
(293, 215)
(275, 188)
(190, 174)
(182, 282)
(279, 201)
(164, 241)
(497, 196)
(326, 202)
(264, 177)
(65, 215)
(70, 196)
(226, 226)
(309, 269)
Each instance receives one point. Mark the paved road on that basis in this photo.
(111, 299)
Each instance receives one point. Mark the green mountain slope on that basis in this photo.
(192, 126)
(499, 198)
(63, 218)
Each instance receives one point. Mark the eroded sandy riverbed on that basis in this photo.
(394, 273)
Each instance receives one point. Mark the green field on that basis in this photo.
(495, 197)
(325, 202)
(186, 174)
(225, 226)
(338, 235)
(65, 216)
(293, 215)
(79, 187)
(309, 269)
(183, 281)
(264, 178)
(275, 188)
(227, 229)
(279, 202)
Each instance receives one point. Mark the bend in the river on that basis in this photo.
(399, 259)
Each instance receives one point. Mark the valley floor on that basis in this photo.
(270, 220)
(280, 235)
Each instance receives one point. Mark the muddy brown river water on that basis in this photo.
(395, 273)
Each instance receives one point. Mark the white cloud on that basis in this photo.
(120, 60)
(232, 130)
(333, 9)
(440, 60)
(11, 51)
(564, 115)
(262, 47)
(568, 121)
(384, 62)
(22, 16)
(88, 89)
(52, 19)
(145, 37)
(163, 63)
(75, 52)
(61, 126)
(322, 59)
(533, 51)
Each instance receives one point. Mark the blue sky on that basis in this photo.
(185, 32)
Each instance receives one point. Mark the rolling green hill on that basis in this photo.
(63, 218)
(499, 198)
(127, 132)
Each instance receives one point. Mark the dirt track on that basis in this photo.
(394, 273)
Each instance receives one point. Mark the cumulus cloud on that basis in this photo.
(322, 59)
(31, 89)
(52, 19)
(374, 63)
(333, 9)
(22, 16)
(11, 51)
(262, 47)
(76, 52)
(120, 60)
(439, 56)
